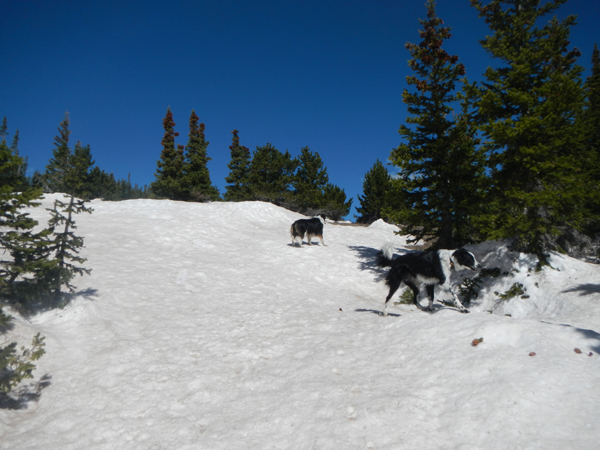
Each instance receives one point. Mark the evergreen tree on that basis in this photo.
(57, 166)
(169, 172)
(376, 189)
(4, 130)
(14, 147)
(438, 162)
(16, 365)
(526, 109)
(26, 251)
(592, 118)
(270, 175)
(72, 174)
(196, 185)
(65, 244)
(309, 182)
(335, 206)
(239, 171)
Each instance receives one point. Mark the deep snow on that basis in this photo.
(201, 327)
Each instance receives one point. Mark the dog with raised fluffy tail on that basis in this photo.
(310, 227)
(428, 268)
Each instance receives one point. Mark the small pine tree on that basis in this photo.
(17, 365)
(239, 171)
(65, 244)
(335, 205)
(195, 182)
(169, 172)
(376, 189)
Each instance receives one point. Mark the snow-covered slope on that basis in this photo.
(201, 327)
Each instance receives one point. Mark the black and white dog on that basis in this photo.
(430, 269)
(310, 227)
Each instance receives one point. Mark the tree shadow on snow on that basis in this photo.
(367, 257)
(585, 289)
(19, 398)
(375, 311)
(588, 334)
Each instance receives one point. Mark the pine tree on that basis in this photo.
(71, 172)
(309, 182)
(57, 166)
(26, 251)
(65, 244)
(438, 162)
(526, 110)
(270, 175)
(376, 190)
(16, 364)
(239, 171)
(335, 205)
(592, 122)
(169, 172)
(195, 182)
(4, 130)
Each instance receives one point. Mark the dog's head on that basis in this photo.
(322, 218)
(462, 259)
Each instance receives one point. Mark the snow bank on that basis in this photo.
(202, 327)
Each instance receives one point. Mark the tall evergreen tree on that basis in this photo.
(4, 130)
(196, 185)
(526, 109)
(239, 171)
(376, 190)
(438, 162)
(309, 182)
(592, 122)
(169, 172)
(57, 166)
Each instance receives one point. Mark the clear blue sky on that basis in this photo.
(323, 74)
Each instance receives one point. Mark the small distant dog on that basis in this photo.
(309, 227)
(430, 269)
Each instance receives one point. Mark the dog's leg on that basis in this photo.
(394, 285)
(415, 290)
(322, 242)
(430, 288)
(309, 238)
(456, 300)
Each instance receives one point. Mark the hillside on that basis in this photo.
(201, 327)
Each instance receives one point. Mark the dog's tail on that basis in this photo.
(385, 257)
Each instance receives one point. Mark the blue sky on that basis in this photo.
(327, 75)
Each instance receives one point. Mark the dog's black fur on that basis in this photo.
(429, 268)
(310, 227)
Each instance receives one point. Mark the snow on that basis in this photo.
(201, 327)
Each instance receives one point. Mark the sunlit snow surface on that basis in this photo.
(201, 327)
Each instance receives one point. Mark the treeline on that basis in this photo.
(300, 184)
(516, 156)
